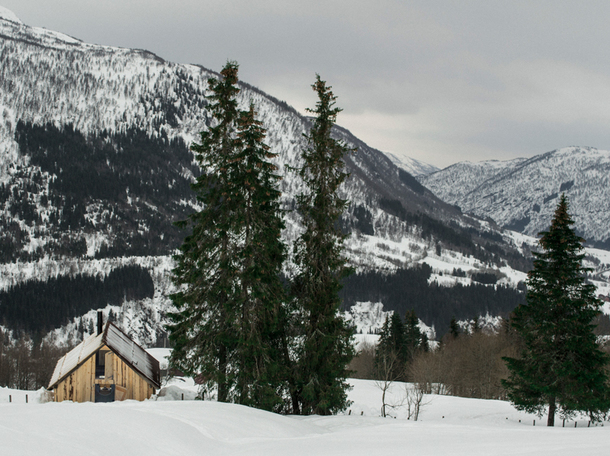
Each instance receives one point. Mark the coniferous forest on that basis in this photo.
(140, 176)
(37, 307)
(434, 304)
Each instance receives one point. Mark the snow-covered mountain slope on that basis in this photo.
(95, 167)
(522, 194)
(68, 107)
(412, 166)
(8, 15)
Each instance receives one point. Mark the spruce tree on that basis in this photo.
(561, 364)
(319, 383)
(413, 336)
(262, 319)
(228, 311)
(454, 328)
(202, 326)
(392, 352)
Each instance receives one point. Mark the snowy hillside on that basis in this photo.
(8, 15)
(447, 425)
(95, 167)
(412, 166)
(522, 194)
(69, 108)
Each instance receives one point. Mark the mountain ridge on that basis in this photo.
(520, 194)
(97, 89)
(95, 166)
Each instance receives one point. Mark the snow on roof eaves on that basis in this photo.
(75, 358)
(120, 344)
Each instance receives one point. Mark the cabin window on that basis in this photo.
(100, 363)
(108, 370)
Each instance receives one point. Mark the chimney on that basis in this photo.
(100, 322)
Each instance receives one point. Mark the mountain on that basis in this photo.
(412, 166)
(95, 166)
(522, 194)
(94, 152)
(8, 15)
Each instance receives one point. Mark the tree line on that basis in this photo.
(37, 307)
(27, 363)
(409, 289)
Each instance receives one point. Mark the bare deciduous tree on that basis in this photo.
(469, 366)
(414, 399)
(363, 364)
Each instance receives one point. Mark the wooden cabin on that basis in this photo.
(106, 367)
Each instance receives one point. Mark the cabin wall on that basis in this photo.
(79, 386)
(129, 384)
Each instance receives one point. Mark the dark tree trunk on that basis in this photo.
(223, 390)
(552, 407)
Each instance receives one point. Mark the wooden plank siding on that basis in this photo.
(79, 386)
(136, 387)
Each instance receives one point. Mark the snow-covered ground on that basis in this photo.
(447, 425)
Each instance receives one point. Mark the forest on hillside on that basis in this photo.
(130, 184)
(36, 307)
(434, 304)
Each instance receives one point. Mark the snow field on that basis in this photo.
(447, 425)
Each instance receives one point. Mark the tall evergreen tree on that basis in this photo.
(392, 350)
(398, 343)
(319, 385)
(454, 328)
(202, 325)
(263, 318)
(413, 336)
(228, 311)
(561, 365)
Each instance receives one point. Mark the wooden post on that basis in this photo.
(10, 399)
(534, 422)
(26, 398)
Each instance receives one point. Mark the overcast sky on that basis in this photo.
(439, 81)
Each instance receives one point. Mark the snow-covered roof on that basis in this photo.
(75, 358)
(132, 354)
(120, 344)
